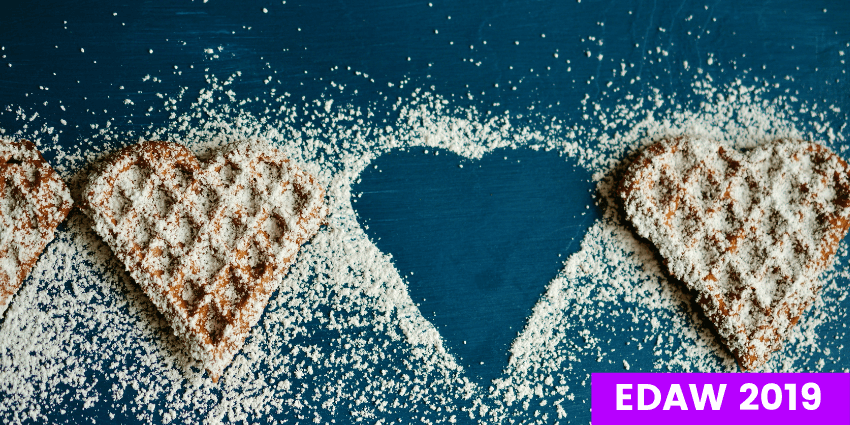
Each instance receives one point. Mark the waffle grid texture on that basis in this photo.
(747, 232)
(33, 201)
(207, 242)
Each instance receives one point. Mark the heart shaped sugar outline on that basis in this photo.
(33, 201)
(484, 240)
(208, 243)
(749, 233)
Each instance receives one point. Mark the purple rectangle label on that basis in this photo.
(706, 398)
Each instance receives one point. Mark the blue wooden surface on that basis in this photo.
(476, 244)
(304, 45)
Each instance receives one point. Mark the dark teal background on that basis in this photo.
(305, 45)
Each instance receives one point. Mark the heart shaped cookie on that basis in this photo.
(207, 242)
(33, 201)
(749, 233)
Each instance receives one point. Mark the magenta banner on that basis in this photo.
(712, 398)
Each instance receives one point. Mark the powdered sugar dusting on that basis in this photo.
(206, 243)
(749, 233)
(33, 201)
(379, 357)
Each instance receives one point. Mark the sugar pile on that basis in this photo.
(80, 329)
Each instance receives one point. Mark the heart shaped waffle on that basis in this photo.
(749, 233)
(207, 242)
(33, 201)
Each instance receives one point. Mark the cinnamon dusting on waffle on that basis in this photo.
(33, 201)
(748, 232)
(207, 242)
